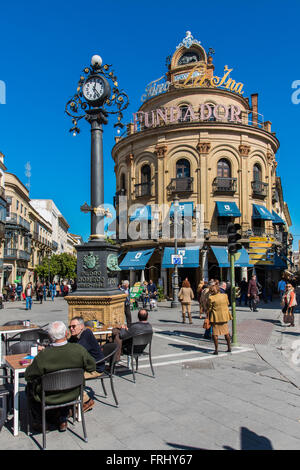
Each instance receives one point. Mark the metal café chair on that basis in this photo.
(6, 391)
(135, 346)
(109, 351)
(59, 381)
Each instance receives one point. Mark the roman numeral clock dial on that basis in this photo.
(95, 90)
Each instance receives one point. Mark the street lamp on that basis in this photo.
(96, 98)
(175, 303)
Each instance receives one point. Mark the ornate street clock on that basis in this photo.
(96, 90)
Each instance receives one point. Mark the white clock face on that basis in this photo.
(93, 89)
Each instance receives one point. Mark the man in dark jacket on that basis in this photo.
(122, 336)
(244, 291)
(85, 337)
(62, 355)
(253, 293)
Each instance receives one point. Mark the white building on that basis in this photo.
(47, 209)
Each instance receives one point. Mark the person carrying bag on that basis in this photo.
(288, 303)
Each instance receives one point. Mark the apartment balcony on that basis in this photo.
(23, 255)
(35, 235)
(10, 253)
(181, 185)
(24, 223)
(224, 185)
(143, 189)
(259, 189)
(11, 218)
(54, 246)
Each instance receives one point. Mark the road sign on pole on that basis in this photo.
(177, 259)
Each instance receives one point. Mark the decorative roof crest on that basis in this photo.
(188, 41)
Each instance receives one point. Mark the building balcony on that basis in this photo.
(23, 255)
(54, 246)
(24, 223)
(259, 189)
(224, 185)
(181, 185)
(10, 253)
(143, 189)
(11, 218)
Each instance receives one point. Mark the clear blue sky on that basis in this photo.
(45, 45)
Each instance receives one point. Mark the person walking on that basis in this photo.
(289, 301)
(57, 289)
(281, 288)
(5, 293)
(28, 294)
(204, 306)
(253, 293)
(52, 289)
(40, 293)
(243, 291)
(45, 292)
(219, 316)
(19, 291)
(199, 290)
(125, 288)
(185, 296)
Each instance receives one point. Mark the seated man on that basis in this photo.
(62, 355)
(122, 336)
(85, 337)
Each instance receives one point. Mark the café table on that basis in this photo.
(6, 330)
(13, 363)
(104, 330)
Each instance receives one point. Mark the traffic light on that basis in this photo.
(233, 237)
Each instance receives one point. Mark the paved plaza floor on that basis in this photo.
(247, 399)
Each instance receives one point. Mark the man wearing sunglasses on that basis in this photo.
(85, 337)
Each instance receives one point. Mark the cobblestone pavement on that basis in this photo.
(248, 399)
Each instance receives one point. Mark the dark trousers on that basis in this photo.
(54, 416)
(128, 314)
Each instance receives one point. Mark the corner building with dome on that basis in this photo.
(198, 139)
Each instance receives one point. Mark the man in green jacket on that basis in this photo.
(60, 355)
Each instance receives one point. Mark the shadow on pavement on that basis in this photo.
(252, 441)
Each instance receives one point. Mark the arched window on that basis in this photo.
(257, 174)
(224, 168)
(122, 181)
(183, 110)
(183, 168)
(145, 174)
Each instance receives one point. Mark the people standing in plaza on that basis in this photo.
(40, 292)
(289, 302)
(219, 316)
(253, 293)
(5, 293)
(243, 292)
(19, 291)
(204, 306)
(52, 288)
(28, 293)
(145, 295)
(281, 288)
(125, 288)
(185, 296)
(199, 290)
(65, 290)
(57, 289)
(45, 292)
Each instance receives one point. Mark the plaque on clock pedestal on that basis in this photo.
(97, 296)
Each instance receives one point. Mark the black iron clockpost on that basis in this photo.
(95, 100)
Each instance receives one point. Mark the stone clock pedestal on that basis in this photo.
(97, 296)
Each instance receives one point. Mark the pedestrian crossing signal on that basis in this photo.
(233, 237)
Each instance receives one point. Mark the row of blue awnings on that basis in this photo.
(137, 260)
(241, 257)
(224, 209)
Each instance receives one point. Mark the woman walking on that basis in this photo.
(199, 291)
(289, 302)
(185, 296)
(219, 316)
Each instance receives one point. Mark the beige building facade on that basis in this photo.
(201, 141)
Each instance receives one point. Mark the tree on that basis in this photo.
(63, 266)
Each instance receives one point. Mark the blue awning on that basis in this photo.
(142, 213)
(277, 219)
(260, 212)
(190, 257)
(278, 263)
(185, 209)
(227, 209)
(221, 253)
(135, 260)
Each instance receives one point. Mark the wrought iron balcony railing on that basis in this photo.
(181, 185)
(226, 185)
(143, 189)
(10, 253)
(259, 188)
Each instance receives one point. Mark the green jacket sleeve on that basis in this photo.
(33, 371)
